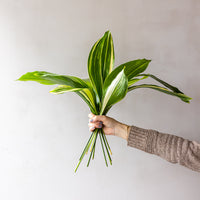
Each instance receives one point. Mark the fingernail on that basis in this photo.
(91, 120)
(100, 126)
(101, 122)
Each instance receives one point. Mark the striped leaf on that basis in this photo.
(174, 89)
(135, 80)
(47, 78)
(114, 89)
(67, 83)
(89, 97)
(65, 88)
(100, 62)
(107, 57)
(135, 67)
(182, 96)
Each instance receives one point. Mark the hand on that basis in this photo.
(110, 126)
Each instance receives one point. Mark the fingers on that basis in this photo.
(96, 121)
(91, 115)
(96, 118)
(93, 125)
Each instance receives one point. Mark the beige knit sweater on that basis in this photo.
(170, 147)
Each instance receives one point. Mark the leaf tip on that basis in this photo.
(148, 60)
(108, 32)
(53, 91)
(189, 99)
(20, 78)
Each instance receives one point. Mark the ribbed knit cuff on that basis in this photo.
(137, 138)
(142, 139)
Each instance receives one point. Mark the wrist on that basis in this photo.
(122, 130)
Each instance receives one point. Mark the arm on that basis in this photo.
(170, 147)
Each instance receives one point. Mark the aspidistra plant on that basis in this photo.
(104, 87)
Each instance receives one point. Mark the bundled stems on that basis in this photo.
(85, 150)
(91, 144)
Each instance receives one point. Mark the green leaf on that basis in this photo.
(67, 83)
(100, 62)
(89, 97)
(135, 80)
(182, 96)
(135, 67)
(48, 78)
(107, 56)
(88, 82)
(114, 89)
(64, 88)
(100, 136)
(94, 67)
(174, 89)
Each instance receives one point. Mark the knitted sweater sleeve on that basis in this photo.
(170, 147)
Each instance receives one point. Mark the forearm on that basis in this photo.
(170, 147)
(122, 130)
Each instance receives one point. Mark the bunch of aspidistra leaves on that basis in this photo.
(104, 87)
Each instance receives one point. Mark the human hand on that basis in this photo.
(110, 126)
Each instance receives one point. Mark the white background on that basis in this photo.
(42, 135)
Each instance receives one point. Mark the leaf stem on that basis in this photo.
(86, 146)
(84, 151)
(107, 149)
(94, 147)
(95, 137)
(103, 148)
(106, 141)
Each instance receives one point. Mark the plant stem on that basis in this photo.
(95, 137)
(94, 146)
(86, 146)
(90, 157)
(84, 151)
(100, 135)
(107, 149)
(106, 141)
(77, 166)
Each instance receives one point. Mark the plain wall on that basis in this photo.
(42, 135)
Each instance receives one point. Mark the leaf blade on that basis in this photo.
(183, 97)
(94, 67)
(48, 78)
(108, 56)
(101, 61)
(64, 88)
(171, 87)
(135, 80)
(135, 67)
(114, 89)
